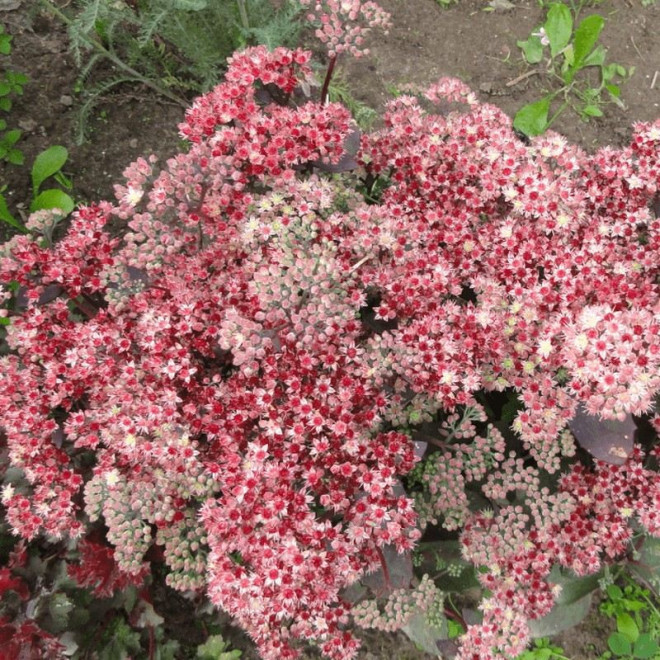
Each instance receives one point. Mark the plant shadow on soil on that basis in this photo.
(425, 43)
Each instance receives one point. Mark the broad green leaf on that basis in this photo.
(11, 138)
(46, 164)
(647, 568)
(5, 88)
(15, 157)
(626, 626)
(596, 57)
(592, 111)
(215, 647)
(645, 647)
(52, 199)
(532, 49)
(7, 217)
(614, 90)
(424, 634)
(558, 27)
(619, 644)
(532, 119)
(586, 36)
(5, 104)
(614, 592)
(573, 588)
(561, 617)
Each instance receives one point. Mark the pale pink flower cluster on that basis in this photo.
(400, 607)
(344, 24)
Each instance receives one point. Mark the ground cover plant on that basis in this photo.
(322, 378)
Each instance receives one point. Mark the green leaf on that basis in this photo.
(532, 49)
(573, 588)
(52, 199)
(614, 592)
(15, 157)
(7, 217)
(596, 57)
(619, 644)
(541, 654)
(645, 646)
(647, 568)
(5, 104)
(46, 164)
(626, 626)
(614, 90)
(586, 36)
(561, 617)
(59, 608)
(425, 635)
(532, 119)
(5, 45)
(592, 111)
(569, 57)
(11, 138)
(216, 648)
(558, 27)
(5, 88)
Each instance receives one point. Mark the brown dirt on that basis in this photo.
(425, 43)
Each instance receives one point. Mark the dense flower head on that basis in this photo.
(344, 24)
(244, 365)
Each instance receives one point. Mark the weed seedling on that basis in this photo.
(11, 84)
(570, 53)
(637, 622)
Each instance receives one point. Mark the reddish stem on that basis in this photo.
(449, 613)
(386, 572)
(152, 643)
(328, 78)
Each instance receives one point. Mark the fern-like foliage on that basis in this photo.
(179, 45)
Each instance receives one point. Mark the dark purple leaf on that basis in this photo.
(263, 97)
(58, 437)
(448, 648)
(607, 440)
(347, 161)
(49, 294)
(137, 275)
(471, 617)
(420, 448)
(399, 568)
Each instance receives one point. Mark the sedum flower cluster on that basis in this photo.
(228, 361)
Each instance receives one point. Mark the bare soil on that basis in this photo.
(425, 43)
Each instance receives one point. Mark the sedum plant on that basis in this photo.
(324, 379)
